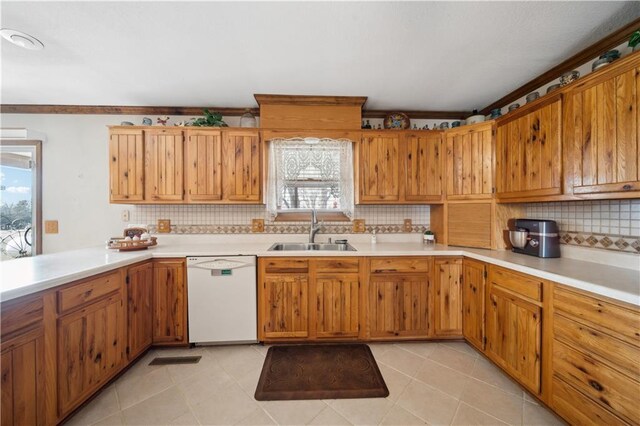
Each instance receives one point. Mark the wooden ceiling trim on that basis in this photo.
(612, 40)
(306, 100)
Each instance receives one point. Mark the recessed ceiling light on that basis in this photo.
(21, 39)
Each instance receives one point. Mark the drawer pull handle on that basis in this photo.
(597, 386)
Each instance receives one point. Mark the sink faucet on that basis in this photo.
(315, 228)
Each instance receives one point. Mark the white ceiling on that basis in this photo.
(405, 55)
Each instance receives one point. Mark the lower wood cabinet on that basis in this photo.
(514, 325)
(139, 280)
(285, 301)
(170, 302)
(448, 300)
(337, 305)
(473, 302)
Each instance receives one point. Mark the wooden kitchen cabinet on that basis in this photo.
(203, 170)
(242, 166)
(400, 298)
(379, 167)
(469, 161)
(126, 165)
(285, 306)
(528, 151)
(474, 274)
(169, 302)
(514, 325)
(164, 166)
(602, 132)
(139, 280)
(448, 296)
(424, 161)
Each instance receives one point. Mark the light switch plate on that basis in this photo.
(164, 226)
(407, 225)
(358, 225)
(50, 226)
(257, 225)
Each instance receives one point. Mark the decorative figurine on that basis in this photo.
(163, 120)
(146, 121)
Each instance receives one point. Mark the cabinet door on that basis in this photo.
(164, 165)
(22, 382)
(473, 297)
(126, 165)
(513, 336)
(337, 305)
(169, 302)
(242, 169)
(91, 343)
(470, 163)
(528, 153)
(399, 306)
(448, 299)
(139, 309)
(285, 306)
(423, 166)
(379, 164)
(604, 134)
(204, 165)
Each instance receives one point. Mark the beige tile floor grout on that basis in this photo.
(429, 383)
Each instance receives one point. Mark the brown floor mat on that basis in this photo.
(329, 371)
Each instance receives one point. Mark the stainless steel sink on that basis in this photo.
(311, 246)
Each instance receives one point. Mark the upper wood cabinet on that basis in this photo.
(602, 117)
(169, 302)
(469, 162)
(242, 176)
(528, 151)
(126, 165)
(164, 177)
(203, 165)
(399, 167)
(448, 297)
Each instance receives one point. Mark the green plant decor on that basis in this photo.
(209, 120)
(635, 39)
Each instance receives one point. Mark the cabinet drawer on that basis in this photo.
(400, 264)
(524, 285)
(613, 390)
(577, 409)
(88, 291)
(620, 355)
(21, 313)
(286, 265)
(340, 264)
(620, 320)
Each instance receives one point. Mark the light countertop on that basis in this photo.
(30, 275)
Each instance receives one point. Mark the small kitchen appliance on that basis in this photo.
(535, 237)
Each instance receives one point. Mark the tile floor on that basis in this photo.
(429, 383)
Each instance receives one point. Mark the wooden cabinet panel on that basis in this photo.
(605, 136)
(448, 300)
(169, 302)
(513, 331)
(470, 162)
(473, 299)
(424, 164)
(521, 284)
(164, 179)
(469, 224)
(337, 305)
(22, 380)
(528, 153)
(285, 310)
(20, 313)
(88, 291)
(577, 409)
(204, 165)
(126, 165)
(139, 309)
(399, 264)
(242, 166)
(379, 165)
(91, 343)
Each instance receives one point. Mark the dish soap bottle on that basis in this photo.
(374, 237)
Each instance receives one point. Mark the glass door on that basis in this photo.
(20, 197)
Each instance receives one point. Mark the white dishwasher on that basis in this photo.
(222, 299)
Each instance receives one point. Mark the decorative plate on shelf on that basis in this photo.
(397, 120)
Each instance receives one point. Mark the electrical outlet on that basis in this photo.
(50, 226)
(164, 226)
(257, 225)
(124, 215)
(358, 226)
(407, 225)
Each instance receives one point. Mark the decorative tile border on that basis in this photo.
(622, 243)
(286, 228)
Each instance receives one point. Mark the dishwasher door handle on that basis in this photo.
(221, 264)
